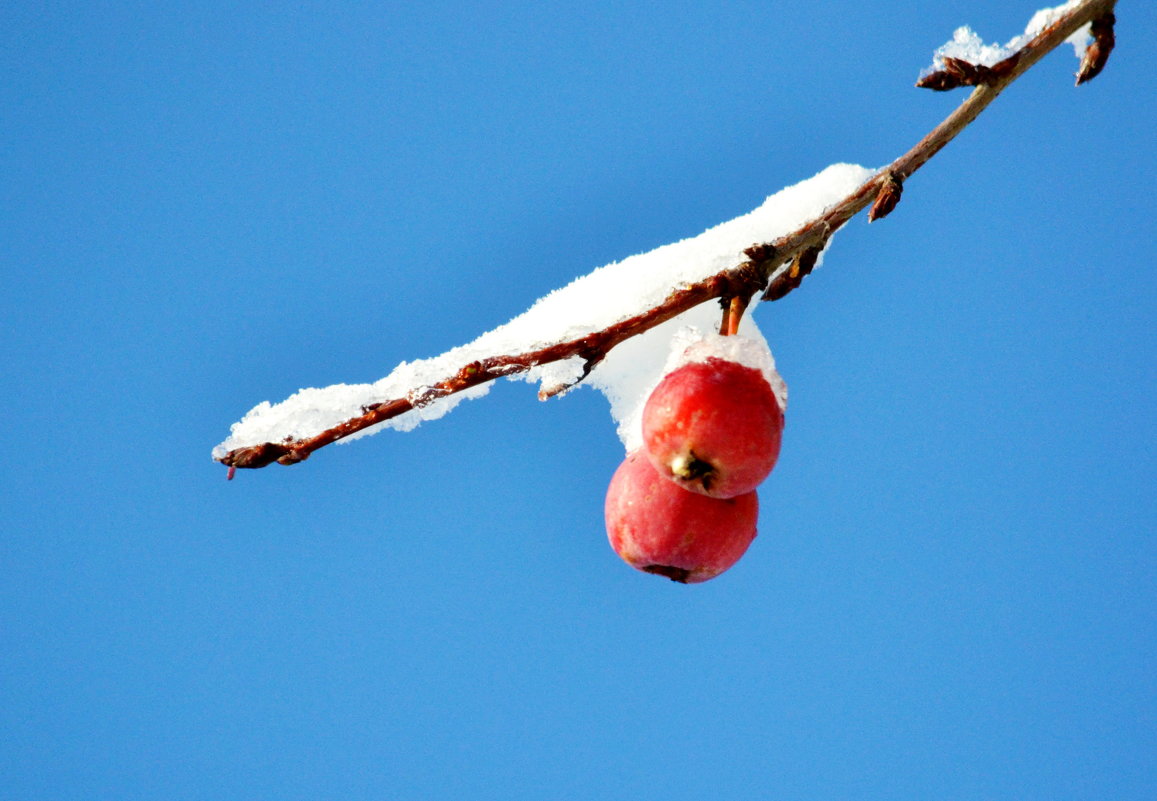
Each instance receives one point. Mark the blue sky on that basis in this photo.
(204, 205)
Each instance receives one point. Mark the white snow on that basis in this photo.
(599, 299)
(690, 346)
(968, 46)
(633, 369)
(628, 391)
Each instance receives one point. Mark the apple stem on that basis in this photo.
(732, 314)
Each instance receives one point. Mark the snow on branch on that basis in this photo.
(612, 329)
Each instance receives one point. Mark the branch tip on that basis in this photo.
(1097, 53)
(256, 456)
(887, 198)
(957, 72)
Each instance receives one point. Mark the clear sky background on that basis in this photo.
(206, 205)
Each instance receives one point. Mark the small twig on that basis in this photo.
(957, 72)
(765, 269)
(887, 198)
(733, 309)
(1097, 54)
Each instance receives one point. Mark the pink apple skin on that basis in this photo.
(713, 427)
(658, 527)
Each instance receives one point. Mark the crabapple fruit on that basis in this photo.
(658, 527)
(713, 427)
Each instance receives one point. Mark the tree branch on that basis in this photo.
(776, 268)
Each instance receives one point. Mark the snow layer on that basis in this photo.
(599, 299)
(663, 353)
(691, 347)
(968, 46)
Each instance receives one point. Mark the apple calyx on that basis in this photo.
(713, 427)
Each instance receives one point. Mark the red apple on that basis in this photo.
(713, 427)
(658, 527)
